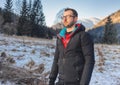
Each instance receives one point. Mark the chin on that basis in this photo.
(65, 25)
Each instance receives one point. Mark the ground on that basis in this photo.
(27, 61)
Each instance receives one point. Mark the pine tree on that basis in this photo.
(29, 9)
(110, 32)
(37, 19)
(7, 15)
(23, 18)
(32, 19)
(37, 15)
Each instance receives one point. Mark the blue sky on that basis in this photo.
(85, 8)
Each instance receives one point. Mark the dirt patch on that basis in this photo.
(20, 76)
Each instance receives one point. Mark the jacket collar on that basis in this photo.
(77, 28)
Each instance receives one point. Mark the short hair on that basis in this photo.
(73, 10)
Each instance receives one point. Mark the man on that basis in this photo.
(74, 55)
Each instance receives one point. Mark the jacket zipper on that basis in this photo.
(64, 51)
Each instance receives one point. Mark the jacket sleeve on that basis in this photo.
(88, 53)
(54, 69)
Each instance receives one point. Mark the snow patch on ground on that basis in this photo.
(29, 53)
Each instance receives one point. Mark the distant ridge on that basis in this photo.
(88, 23)
(98, 30)
(114, 16)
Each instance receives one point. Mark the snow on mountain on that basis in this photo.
(89, 22)
(29, 53)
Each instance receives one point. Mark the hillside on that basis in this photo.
(28, 61)
(98, 30)
(114, 16)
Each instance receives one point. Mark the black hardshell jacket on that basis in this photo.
(76, 61)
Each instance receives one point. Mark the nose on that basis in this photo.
(65, 19)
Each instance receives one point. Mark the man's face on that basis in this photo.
(68, 19)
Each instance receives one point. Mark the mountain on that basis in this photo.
(114, 16)
(87, 22)
(90, 22)
(98, 30)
